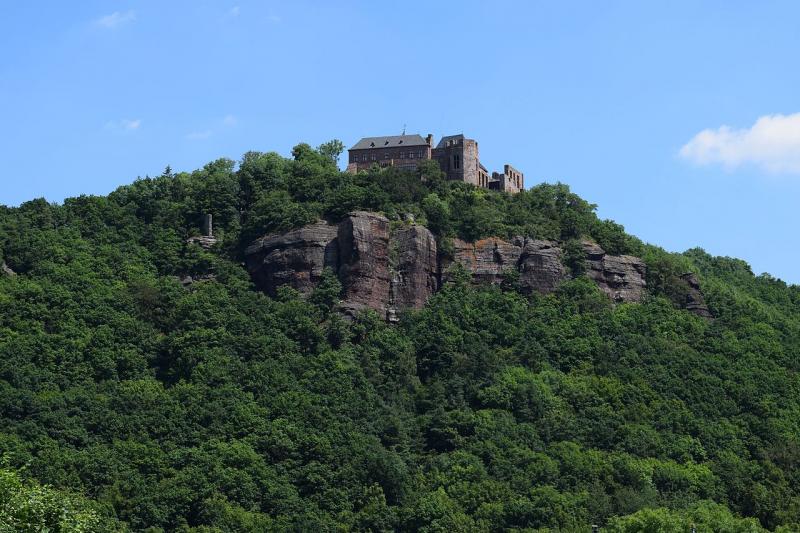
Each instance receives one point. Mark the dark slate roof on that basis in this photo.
(443, 141)
(389, 142)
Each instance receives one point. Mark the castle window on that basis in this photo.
(456, 162)
(420, 155)
(402, 154)
(411, 155)
(373, 157)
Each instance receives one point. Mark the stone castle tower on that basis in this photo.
(457, 155)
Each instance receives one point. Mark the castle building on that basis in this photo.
(456, 154)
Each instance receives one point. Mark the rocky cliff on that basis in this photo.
(621, 277)
(379, 269)
(390, 270)
(695, 302)
(5, 269)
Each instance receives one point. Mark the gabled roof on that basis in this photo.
(391, 141)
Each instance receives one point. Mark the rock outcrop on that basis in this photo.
(695, 302)
(538, 262)
(378, 270)
(204, 241)
(6, 270)
(540, 266)
(296, 258)
(391, 269)
(487, 259)
(363, 242)
(621, 277)
(415, 272)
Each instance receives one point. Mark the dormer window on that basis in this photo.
(372, 145)
(386, 143)
(401, 141)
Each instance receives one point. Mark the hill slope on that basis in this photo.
(178, 405)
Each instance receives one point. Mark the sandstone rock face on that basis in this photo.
(537, 261)
(415, 276)
(540, 266)
(5, 269)
(621, 277)
(392, 270)
(487, 259)
(695, 302)
(296, 258)
(379, 271)
(364, 261)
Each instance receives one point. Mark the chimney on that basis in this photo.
(429, 139)
(208, 229)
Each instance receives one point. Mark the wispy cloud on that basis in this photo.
(115, 19)
(124, 124)
(274, 19)
(771, 144)
(230, 120)
(196, 135)
(234, 11)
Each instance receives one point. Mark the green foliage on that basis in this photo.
(211, 407)
(30, 507)
(332, 150)
(705, 517)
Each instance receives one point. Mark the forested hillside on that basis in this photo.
(132, 400)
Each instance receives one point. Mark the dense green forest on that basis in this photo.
(131, 401)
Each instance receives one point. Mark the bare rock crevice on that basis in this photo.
(6, 270)
(415, 272)
(363, 240)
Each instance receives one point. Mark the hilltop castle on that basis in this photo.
(456, 154)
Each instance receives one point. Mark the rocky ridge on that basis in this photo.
(389, 269)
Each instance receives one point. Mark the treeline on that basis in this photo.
(134, 401)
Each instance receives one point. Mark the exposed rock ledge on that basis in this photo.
(695, 302)
(392, 270)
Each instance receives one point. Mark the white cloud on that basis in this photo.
(772, 144)
(124, 124)
(131, 124)
(230, 120)
(115, 19)
(205, 134)
(234, 11)
(274, 19)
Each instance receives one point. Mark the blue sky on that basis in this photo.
(679, 119)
